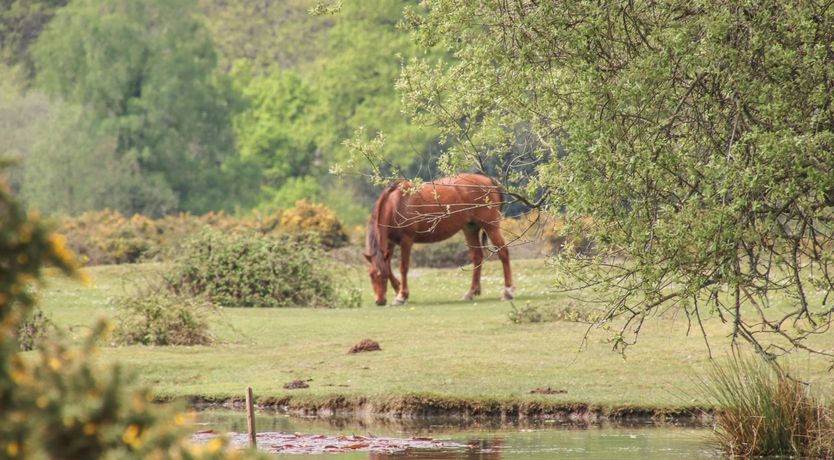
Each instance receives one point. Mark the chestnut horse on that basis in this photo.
(434, 212)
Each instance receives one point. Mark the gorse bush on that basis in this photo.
(56, 403)
(161, 318)
(317, 219)
(109, 237)
(245, 270)
(762, 411)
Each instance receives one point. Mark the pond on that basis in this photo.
(484, 441)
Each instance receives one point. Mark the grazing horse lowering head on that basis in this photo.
(431, 212)
(378, 249)
(379, 271)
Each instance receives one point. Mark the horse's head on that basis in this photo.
(379, 271)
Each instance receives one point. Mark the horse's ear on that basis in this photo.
(367, 256)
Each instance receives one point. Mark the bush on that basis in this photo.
(161, 318)
(109, 237)
(245, 270)
(56, 403)
(762, 411)
(34, 330)
(317, 219)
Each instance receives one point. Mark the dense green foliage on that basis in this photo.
(698, 137)
(200, 105)
(244, 270)
(146, 71)
(21, 22)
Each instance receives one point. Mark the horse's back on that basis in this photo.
(441, 208)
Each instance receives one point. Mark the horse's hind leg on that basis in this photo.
(405, 255)
(476, 252)
(494, 233)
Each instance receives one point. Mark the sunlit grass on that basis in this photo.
(436, 344)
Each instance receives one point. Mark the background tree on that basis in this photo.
(697, 137)
(265, 34)
(146, 70)
(274, 132)
(21, 22)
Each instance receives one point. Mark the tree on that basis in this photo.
(266, 33)
(146, 70)
(274, 133)
(21, 22)
(696, 136)
(72, 166)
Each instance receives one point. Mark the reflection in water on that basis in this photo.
(479, 449)
(488, 439)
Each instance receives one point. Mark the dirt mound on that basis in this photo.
(295, 384)
(365, 345)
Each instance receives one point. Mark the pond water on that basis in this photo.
(487, 441)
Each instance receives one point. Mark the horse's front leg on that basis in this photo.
(405, 255)
(395, 283)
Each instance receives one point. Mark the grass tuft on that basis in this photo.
(763, 411)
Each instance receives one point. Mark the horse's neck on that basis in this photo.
(385, 220)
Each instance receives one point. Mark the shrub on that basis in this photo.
(109, 237)
(245, 270)
(762, 411)
(314, 218)
(56, 403)
(161, 318)
(34, 330)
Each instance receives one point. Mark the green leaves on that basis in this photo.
(696, 137)
(146, 71)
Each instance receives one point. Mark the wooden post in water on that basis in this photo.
(250, 418)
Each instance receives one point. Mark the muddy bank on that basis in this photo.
(453, 409)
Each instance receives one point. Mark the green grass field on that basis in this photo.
(434, 345)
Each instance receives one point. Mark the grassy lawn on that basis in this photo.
(436, 344)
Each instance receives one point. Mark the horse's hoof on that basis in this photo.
(508, 293)
(399, 301)
(468, 296)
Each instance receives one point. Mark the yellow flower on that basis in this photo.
(55, 364)
(20, 377)
(12, 449)
(58, 244)
(90, 428)
(215, 445)
(131, 436)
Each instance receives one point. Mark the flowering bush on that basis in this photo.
(56, 403)
(109, 237)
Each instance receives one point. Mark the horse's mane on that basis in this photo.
(377, 240)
